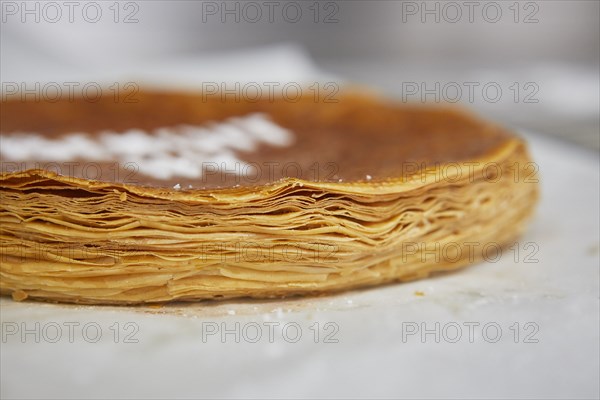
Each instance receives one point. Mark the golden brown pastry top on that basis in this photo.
(356, 139)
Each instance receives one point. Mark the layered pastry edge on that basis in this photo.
(70, 239)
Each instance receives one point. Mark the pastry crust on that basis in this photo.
(72, 239)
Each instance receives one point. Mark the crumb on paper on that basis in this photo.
(231, 312)
(419, 293)
(19, 295)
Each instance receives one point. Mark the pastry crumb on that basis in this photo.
(123, 196)
(19, 295)
(419, 293)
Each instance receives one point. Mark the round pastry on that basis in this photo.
(180, 196)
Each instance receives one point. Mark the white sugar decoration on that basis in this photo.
(183, 150)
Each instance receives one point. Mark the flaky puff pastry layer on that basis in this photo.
(68, 239)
